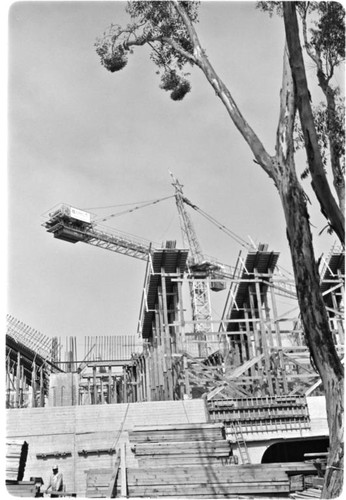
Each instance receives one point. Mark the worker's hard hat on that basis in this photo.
(55, 467)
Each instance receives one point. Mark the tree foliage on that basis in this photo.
(323, 32)
(158, 25)
(328, 35)
(326, 125)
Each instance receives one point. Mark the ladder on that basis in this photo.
(241, 443)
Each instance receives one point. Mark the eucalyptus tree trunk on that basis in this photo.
(281, 169)
(330, 94)
(313, 312)
(319, 183)
(316, 327)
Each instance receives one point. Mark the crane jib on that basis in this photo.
(71, 227)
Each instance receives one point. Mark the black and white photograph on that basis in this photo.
(174, 196)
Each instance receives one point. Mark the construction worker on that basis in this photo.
(55, 481)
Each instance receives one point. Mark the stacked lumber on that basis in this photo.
(297, 482)
(177, 432)
(103, 482)
(16, 454)
(308, 493)
(98, 483)
(213, 480)
(192, 461)
(206, 481)
(179, 444)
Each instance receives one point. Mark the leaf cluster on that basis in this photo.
(176, 84)
(157, 25)
(113, 55)
(327, 27)
(327, 125)
(328, 37)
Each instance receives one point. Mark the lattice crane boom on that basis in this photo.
(199, 289)
(71, 224)
(188, 231)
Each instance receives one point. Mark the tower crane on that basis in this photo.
(73, 225)
(198, 268)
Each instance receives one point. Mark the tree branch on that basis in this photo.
(284, 135)
(320, 184)
(201, 60)
(178, 48)
(323, 81)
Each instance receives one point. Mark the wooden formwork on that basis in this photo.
(256, 350)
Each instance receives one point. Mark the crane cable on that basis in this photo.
(223, 228)
(230, 233)
(204, 214)
(143, 204)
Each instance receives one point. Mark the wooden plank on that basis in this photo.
(154, 461)
(113, 480)
(199, 476)
(216, 469)
(123, 471)
(214, 443)
(173, 427)
(215, 448)
(185, 432)
(181, 445)
(184, 437)
(206, 489)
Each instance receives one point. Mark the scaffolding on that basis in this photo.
(29, 364)
(255, 350)
(259, 351)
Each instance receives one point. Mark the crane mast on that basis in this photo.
(198, 269)
(188, 232)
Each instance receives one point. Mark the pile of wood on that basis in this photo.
(308, 493)
(180, 444)
(99, 483)
(16, 454)
(312, 484)
(192, 461)
(214, 480)
(206, 481)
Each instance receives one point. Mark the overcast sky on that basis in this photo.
(81, 135)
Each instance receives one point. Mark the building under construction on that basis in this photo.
(189, 405)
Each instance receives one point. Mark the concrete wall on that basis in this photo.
(71, 429)
(63, 389)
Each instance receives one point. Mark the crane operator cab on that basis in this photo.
(210, 270)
